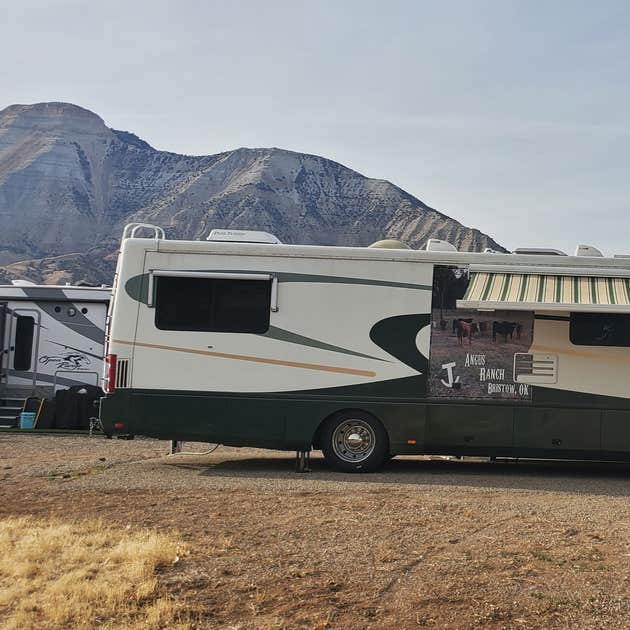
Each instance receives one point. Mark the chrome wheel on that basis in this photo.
(353, 440)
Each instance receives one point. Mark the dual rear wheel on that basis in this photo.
(354, 441)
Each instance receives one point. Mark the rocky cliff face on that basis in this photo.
(68, 184)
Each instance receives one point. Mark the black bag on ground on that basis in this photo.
(46, 417)
(75, 406)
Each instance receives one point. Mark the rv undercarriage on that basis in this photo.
(361, 436)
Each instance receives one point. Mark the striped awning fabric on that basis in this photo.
(522, 291)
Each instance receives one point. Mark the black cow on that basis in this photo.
(505, 329)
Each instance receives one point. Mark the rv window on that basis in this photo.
(212, 304)
(23, 349)
(599, 329)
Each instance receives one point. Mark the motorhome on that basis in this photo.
(51, 338)
(368, 353)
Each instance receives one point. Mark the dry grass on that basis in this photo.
(82, 575)
(424, 544)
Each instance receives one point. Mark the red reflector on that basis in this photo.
(119, 425)
(411, 441)
(110, 379)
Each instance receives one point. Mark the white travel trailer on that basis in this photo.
(51, 337)
(368, 353)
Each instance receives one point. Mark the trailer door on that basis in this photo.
(3, 346)
(24, 343)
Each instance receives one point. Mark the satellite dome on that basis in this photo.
(389, 243)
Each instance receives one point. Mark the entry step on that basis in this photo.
(12, 402)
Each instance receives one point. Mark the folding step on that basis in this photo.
(10, 409)
(12, 402)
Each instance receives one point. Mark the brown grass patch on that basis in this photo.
(82, 575)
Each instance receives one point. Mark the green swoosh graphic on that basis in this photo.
(137, 287)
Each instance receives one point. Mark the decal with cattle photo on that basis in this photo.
(472, 352)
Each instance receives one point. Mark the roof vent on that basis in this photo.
(489, 250)
(587, 250)
(539, 251)
(243, 236)
(389, 243)
(438, 245)
(23, 283)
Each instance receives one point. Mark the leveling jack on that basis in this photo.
(303, 461)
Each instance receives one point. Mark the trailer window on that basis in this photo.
(599, 329)
(212, 305)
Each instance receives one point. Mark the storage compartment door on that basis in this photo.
(562, 430)
(616, 431)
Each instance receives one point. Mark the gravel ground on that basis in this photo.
(424, 543)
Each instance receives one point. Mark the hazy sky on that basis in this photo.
(513, 117)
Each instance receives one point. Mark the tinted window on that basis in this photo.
(23, 350)
(595, 329)
(212, 305)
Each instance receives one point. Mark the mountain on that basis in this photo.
(69, 183)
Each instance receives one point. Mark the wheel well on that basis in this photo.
(318, 432)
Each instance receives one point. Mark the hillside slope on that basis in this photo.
(68, 184)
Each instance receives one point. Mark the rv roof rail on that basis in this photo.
(131, 229)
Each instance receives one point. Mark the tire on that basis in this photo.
(354, 441)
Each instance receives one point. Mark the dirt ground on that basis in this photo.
(436, 544)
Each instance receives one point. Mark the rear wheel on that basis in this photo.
(354, 441)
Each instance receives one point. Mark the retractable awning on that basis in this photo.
(527, 291)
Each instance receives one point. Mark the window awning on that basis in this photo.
(546, 292)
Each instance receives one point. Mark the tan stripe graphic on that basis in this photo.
(472, 287)
(515, 287)
(533, 288)
(241, 357)
(586, 296)
(549, 294)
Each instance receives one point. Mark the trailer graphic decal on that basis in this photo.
(472, 352)
(71, 361)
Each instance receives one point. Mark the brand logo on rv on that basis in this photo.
(71, 361)
(452, 379)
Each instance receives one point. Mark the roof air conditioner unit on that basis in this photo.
(539, 251)
(438, 245)
(243, 236)
(587, 250)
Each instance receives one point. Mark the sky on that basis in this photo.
(510, 116)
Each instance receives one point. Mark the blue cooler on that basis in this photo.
(27, 420)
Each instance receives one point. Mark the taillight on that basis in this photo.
(110, 380)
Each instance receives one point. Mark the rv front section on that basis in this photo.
(365, 352)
